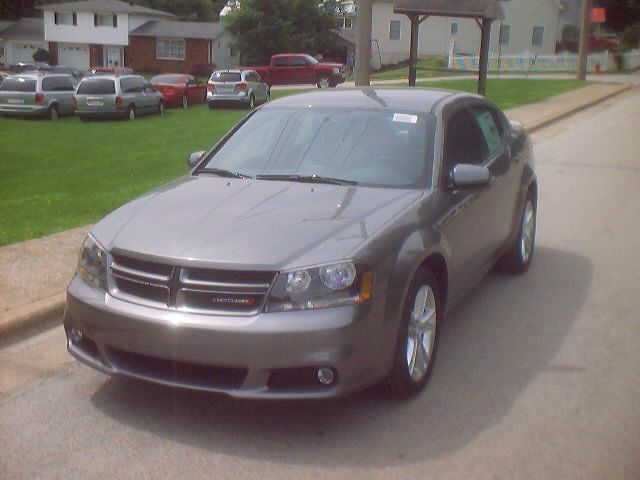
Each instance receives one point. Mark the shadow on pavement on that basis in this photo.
(492, 346)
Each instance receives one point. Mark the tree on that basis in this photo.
(42, 55)
(262, 28)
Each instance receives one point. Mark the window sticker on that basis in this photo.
(489, 129)
(405, 118)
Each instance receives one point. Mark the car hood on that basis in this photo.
(226, 223)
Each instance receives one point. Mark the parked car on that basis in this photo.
(239, 87)
(37, 94)
(125, 96)
(180, 90)
(4, 75)
(300, 68)
(313, 251)
(29, 67)
(74, 72)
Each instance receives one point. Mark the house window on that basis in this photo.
(538, 36)
(345, 22)
(65, 18)
(505, 34)
(101, 20)
(394, 29)
(233, 51)
(170, 48)
(455, 27)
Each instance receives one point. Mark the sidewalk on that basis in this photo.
(34, 274)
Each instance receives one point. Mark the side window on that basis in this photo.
(251, 77)
(132, 85)
(490, 127)
(57, 84)
(281, 62)
(298, 62)
(463, 142)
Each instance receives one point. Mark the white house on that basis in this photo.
(529, 25)
(93, 32)
(19, 40)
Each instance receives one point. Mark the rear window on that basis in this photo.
(18, 85)
(99, 86)
(226, 77)
(57, 84)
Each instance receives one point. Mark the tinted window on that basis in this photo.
(57, 84)
(226, 77)
(132, 84)
(463, 142)
(281, 62)
(18, 85)
(490, 128)
(368, 147)
(298, 62)
(168, 79)
(251, 77)
(98, 86)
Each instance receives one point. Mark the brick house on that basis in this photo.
(189, 47)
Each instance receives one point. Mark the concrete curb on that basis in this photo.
(546, 121)
(30, 319)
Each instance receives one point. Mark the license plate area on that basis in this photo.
(95, 102)
(15, 101)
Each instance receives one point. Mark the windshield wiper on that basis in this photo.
(224, 173)
(307, 179)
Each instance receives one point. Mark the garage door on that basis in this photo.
(23, 52)
(76, 56)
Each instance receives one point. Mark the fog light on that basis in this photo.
(325, 376)
(75, 335)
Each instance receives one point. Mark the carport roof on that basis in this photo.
(490, 9)
(103, 6)
(25, 28)
(168, 28)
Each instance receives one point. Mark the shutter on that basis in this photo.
(55, 18)
(95, 19)
(75, 18)
(115, 21)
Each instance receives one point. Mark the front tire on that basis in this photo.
(252, 102)
(518, 258)
(417, 343)
(185, 102)
(161, 108)
(323, 81)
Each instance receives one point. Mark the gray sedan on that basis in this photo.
(313, 251)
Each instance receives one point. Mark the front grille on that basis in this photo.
(187, 373)
(190, 289)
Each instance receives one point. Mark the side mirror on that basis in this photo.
(194, 158)
(466, 176)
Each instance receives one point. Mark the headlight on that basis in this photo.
(92, 264)
(330, 285)
(336, 71)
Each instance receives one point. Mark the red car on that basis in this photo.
(180, 90)
(300, 68)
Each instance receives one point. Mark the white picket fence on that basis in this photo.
(631, 60)
(530, 62)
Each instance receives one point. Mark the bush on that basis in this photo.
(630, 37)
(42, 55)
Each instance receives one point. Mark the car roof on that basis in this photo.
(411, 99)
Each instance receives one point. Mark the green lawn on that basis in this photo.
(59, 175)
(427, 67)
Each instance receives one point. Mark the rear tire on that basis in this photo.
(417, 342)
(185, 102)
(211, 106)
(131, 112)
(519, 256)
(252, 102)
(53, 113)
(323, 81)
(161, 108)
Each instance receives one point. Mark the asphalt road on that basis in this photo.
(538, 377)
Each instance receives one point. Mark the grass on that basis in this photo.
(427, 68)
(59, 175)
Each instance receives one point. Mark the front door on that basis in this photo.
(113, 58)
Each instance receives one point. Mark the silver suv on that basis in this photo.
(239, 87)
(117, 96)
(37, 94)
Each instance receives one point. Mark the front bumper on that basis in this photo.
(269, 355)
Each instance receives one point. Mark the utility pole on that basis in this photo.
(585, 34)
(363, 43)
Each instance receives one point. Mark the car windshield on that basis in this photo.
(18, 85)
(98, 86)
(168, 79)
(381, 148)
(226, 77)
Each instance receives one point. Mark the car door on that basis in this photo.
(281, 71)
(195, 91)
(469, 218)
(301, 72)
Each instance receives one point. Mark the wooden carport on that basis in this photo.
(484, 12)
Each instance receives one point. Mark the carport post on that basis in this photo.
(484, 56)
(413, 50)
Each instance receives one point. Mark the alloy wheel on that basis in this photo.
(421, 333)
(528, 231)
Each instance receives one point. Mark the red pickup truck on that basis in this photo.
(300, 68)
